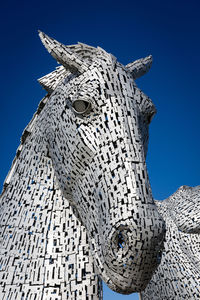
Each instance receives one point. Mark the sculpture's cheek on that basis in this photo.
(86, 141)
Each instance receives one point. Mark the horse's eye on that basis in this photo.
(81, 106)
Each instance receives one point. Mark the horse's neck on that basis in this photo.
(43, 248)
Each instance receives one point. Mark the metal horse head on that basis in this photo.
(97, 134)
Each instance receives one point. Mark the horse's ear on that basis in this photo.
(63, 55)
(140, 67)
(51, 80)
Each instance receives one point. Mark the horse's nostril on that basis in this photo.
(120, 241)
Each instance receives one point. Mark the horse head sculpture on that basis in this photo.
(96, 129)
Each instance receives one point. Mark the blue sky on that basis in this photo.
(129, 29)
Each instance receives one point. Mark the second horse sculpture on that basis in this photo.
(78, 193)
(178, 275)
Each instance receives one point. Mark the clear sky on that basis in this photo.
(169, 30)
